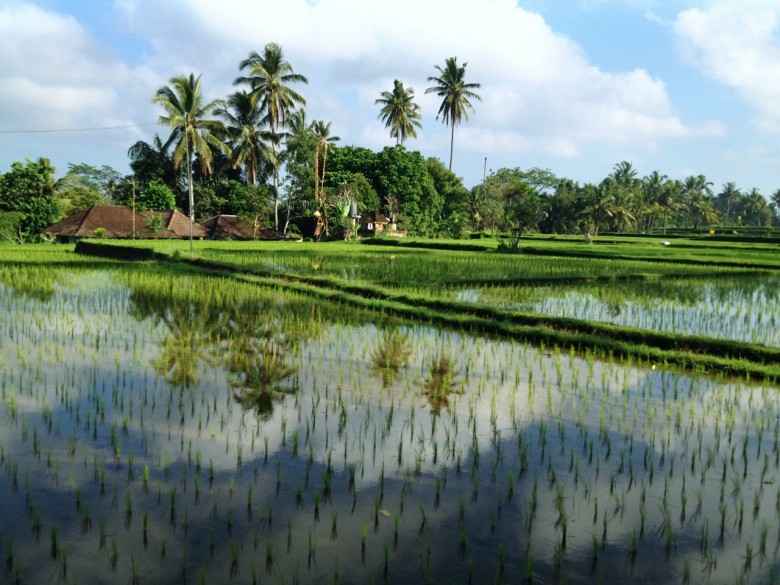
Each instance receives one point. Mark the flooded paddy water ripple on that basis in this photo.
(737, 308)
(148, 435)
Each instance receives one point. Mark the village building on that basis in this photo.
(375, 223)
(119, 221)
(232, 227)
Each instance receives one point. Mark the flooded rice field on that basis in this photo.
(164, 428)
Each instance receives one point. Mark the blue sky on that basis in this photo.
(576, 86)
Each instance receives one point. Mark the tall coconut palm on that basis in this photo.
(452, 87)
(697, 185)
(729, 194)
(695, 190)
(775, 199)
(251, 145)
(774, 204)
(755, 209)
(399, 112)
(192, 130)
(270, 77)
(151, 162)
(321, 130)
(662, 196)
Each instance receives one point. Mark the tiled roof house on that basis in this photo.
(119, 221)
(231, 227)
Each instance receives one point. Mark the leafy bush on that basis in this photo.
(10, 223)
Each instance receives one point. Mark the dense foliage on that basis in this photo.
(28, 189)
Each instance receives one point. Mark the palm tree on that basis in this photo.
(600, 202)
(270, 76)
(665, 195)
(321, 130)
(654, 188)
(730, 194)
(399, 112)
(775, 198)
(251, 145)
(151, 162)
(755, 209)
(192, 131)
(628, 192)
(624, 174)
(696, 191)
(452, 87)
(774, 203)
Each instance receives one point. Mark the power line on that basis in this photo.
(95, 129)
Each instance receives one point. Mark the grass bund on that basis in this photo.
(212, 420)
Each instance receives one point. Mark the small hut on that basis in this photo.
(372, 224)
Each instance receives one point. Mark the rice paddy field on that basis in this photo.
(161, 425)
(741, 308)
(406, 266)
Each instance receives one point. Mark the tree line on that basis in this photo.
(255, 154)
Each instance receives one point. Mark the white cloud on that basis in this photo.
(55, 76)
(52, 70)
(537, 86)
(736, 42)
(540, 92)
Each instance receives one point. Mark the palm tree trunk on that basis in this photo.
(452, 142)
(276, 190)
(189, 180)
(276, 199)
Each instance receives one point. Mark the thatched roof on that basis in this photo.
(117, 221)
(231, 227)
(175, 225)
(373, 217)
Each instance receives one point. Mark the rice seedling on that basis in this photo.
(607, 437)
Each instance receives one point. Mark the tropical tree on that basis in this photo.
(270, 77)
(626, 189)
(565, 209)
(150, 162)
(192, 130)
(447, 184)
(775, 198)
(104, 179)
(696, 185)
(75, 196)
(665, 198)
(10, 222)
(605, 205)
(727, 199)
(407, 188)
(156, 195)
(698, 199)
(251, 145)
(451, 86)
(654, 187)
(29, 190)
(524, 210)
(399, 112)
(774, 205)
(755, 209)
(321, 130)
